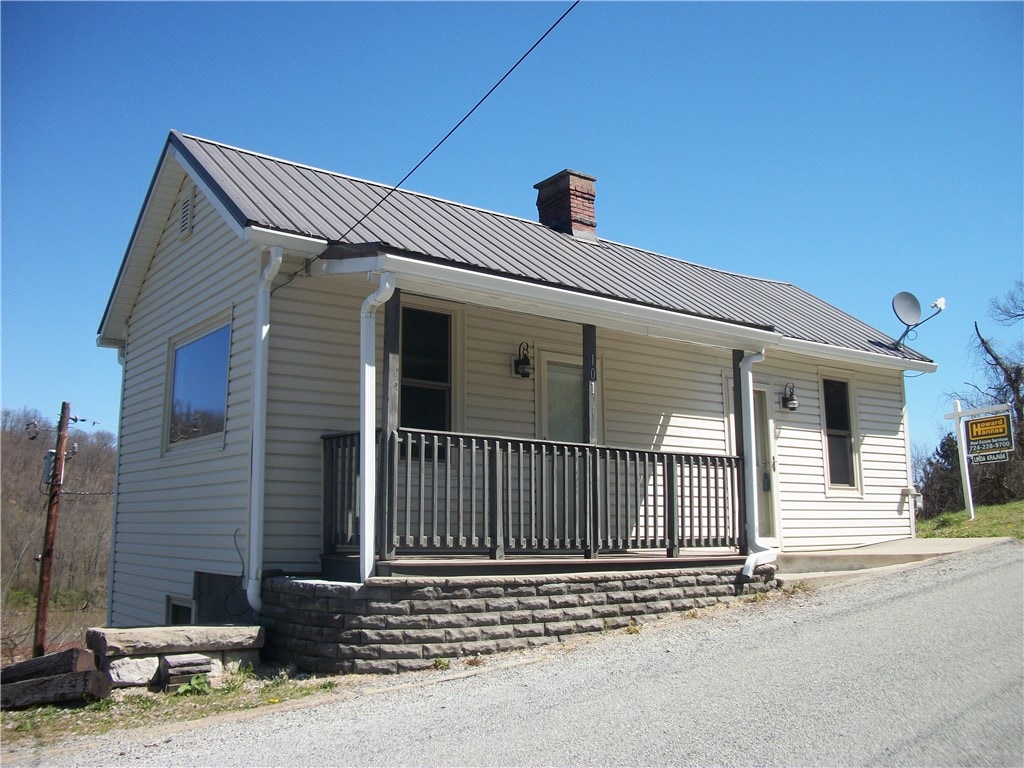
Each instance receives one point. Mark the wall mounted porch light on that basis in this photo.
(522, 366)
(789, 401)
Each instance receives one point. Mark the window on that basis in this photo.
(179, 611)
(839, 433)
(200, 386)
(426, 370)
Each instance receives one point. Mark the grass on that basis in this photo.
(139, 708)
(997, 520)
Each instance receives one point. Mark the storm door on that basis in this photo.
(766, 466)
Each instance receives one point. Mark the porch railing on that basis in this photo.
(447, 492)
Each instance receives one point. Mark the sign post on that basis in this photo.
(985, 440)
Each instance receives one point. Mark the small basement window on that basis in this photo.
(200, 386)
(179, 611)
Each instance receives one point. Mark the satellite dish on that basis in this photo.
(907, 308)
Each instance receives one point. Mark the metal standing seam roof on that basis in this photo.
(289, 197)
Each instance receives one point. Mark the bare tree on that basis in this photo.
(1009, 309)
(1002, 381)
(83, 536)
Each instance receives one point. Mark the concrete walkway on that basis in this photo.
(815, 568)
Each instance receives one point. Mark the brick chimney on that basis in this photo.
(565, 202)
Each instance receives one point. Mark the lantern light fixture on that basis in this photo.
(522, 366)
(789, 400)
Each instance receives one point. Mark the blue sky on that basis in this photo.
(856, 150)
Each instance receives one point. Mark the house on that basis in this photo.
(511, 388)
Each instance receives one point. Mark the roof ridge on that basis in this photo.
(358, 179)
(479, 209)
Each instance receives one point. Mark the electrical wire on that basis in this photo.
(437, 146)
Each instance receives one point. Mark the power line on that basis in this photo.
(437, 146)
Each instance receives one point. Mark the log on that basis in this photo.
(71, 660)
(71, 686)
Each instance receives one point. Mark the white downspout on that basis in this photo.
(759, 553)
(368, 422)
(257, 469)
(122, 360)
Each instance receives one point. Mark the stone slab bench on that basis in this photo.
(135, 656)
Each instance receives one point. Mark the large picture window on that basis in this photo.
(839, 433)
(426, 370)
(200, 386)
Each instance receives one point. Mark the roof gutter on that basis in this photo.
(268, 238)
(447, 282)
(258, 449)
(843, 355)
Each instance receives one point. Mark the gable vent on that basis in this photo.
(186, 214)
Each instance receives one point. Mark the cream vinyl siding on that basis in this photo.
(653, 395)
(662, 395)
(813, 516)
(178, 507)
(312, 390)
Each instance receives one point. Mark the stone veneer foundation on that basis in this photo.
(398, 624)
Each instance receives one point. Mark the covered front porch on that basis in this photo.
(446, 501)
(441, 500)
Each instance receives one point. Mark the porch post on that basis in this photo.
(368, 422)
(590, 436)
(738, 442)
(391, 392)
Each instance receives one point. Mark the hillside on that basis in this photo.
(83, 528)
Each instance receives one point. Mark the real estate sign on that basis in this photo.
(980, 440)
(991, 434)
(990, 458)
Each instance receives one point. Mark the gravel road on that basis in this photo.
(924, 668)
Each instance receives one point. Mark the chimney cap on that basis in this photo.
(564, 174)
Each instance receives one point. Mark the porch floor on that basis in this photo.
(340, 565)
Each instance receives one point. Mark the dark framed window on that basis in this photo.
(199, 386)
(179, 611)
(426, 400)
(839, 433)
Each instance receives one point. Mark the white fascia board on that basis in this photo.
(210, 195)
(261, 236)
(295, 244)
(462, 285)
(162, 190)
(842, 355)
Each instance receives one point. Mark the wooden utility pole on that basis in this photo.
(52, 508)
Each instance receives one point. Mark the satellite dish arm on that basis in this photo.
(938, 305)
